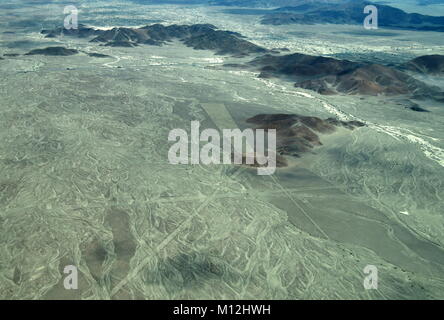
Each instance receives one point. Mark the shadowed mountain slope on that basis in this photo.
(431, 64)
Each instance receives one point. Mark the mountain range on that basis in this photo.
(351, 12)
(329, 76)
(198, 36)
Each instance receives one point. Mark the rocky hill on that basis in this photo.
(296, 134)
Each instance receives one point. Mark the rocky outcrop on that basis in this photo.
(296, 134)
(53, 51)
(97, 55)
